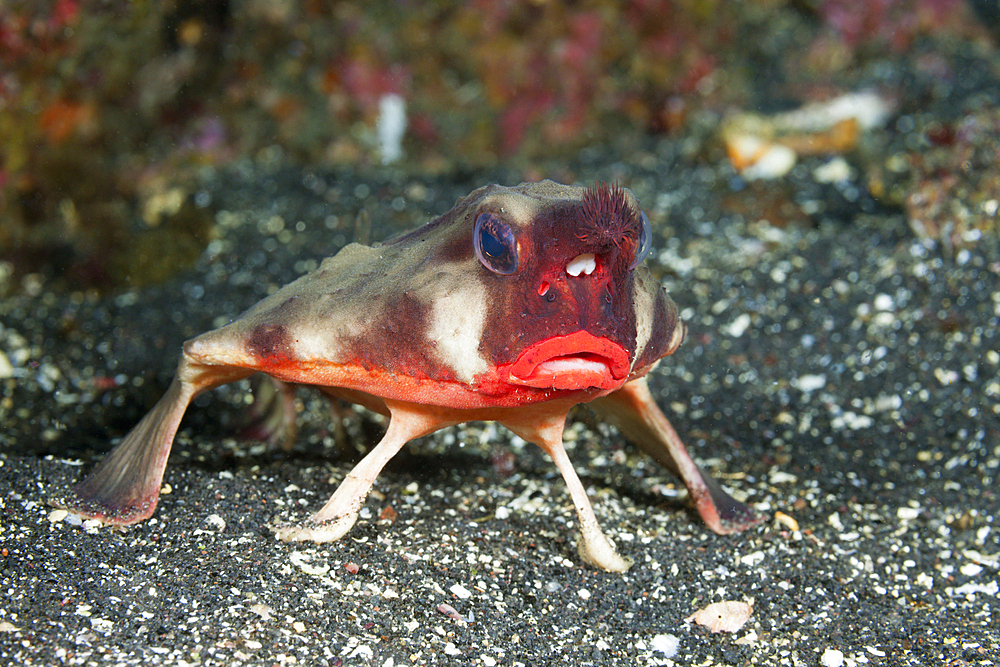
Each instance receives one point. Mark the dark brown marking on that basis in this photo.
(269, 342)
(397, 344)
(455, 249)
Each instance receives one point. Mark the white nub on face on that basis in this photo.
(583, 263)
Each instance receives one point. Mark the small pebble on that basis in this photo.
(216, 522)
(786, 521)
(665, 644)
(832, 658)
(461, 592)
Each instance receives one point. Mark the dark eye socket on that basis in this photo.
(495, 244)
(644, 244)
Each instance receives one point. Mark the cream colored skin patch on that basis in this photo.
(456, 327)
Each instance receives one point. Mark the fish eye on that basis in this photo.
(495, 244)
(644, 243)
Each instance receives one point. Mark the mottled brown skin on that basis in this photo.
(514, 306)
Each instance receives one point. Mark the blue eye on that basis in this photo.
(644, 243)
(495, 244)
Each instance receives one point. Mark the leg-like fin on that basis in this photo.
(634, 412)
(271, 416)
(594, 546)
(332, 522)
(340, 401)
(124, 488)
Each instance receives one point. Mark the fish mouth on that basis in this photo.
(579, 360)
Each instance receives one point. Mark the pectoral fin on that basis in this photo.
(406, 422)
(594, 547)
(124, 488)
(637, 416)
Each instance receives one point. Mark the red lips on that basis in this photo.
(579, 360)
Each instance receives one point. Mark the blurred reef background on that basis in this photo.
(822, 178)
(111, 111)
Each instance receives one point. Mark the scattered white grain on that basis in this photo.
(884, 302)
(774, 162)
(738, 326)
(946, 376)
(981, 558)
(971, 569)
(6, 368)
(852, 421)
(971, 590)
(809, 383)
(832, 658)
(301, 561)
(781, 477)
(55, 516)
(461, 592)
(264, 611)
(102, 625)
(835, 171)
(665, 644)
(363, 651)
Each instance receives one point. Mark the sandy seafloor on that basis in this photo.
(843, 373)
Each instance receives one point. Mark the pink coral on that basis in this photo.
(895, 22)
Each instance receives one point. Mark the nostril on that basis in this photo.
(583, 263)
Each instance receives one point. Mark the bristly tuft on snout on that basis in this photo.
(607, 219)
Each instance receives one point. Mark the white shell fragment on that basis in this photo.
(728, 616)
(55, 516)
(765, 147)
(832, 658)
(301, 561)
(665, 644)
(216, 522)
(461, 592)
(785, 520)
